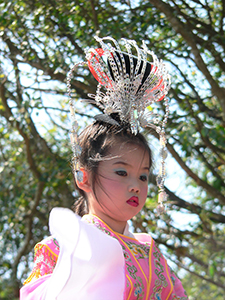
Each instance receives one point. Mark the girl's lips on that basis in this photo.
(133, 201)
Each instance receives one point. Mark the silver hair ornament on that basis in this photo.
(129, 85)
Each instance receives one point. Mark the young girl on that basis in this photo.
(96, 257)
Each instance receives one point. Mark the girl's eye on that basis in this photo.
(121, 173)
(144, 177)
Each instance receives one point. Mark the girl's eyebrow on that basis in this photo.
(120, 163)
(126, 164)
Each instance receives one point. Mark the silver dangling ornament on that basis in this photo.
(131, 80)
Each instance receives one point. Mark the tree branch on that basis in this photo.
(188, 36)
(95, 17)
(217, 283)
(215, 193)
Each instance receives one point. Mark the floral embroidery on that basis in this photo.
(174, 297)
(160, 281)
(126, 256)
(158, 285)
(158, 296)
(140, 251)
(96, 224)
(56, 244)
(139, 292)
(44, 260)
(140, 289)
(132, 270)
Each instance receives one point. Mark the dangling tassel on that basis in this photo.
(162, 197)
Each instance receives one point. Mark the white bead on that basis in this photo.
(163, 153)
(162, 197)
(160, 209)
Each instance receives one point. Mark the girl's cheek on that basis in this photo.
(145, 190)
(116, 184)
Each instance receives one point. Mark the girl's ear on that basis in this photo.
(83, 180)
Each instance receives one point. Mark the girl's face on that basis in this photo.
(121, 188)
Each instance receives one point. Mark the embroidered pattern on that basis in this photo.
(139, 291)
(174, 297)
(140, 284)
(160, 281)
(45, 259)
(140, 251)
(97, 224)
(147, 274)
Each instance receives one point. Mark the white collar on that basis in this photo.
(127, 232)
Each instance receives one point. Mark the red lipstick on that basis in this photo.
(133, 201)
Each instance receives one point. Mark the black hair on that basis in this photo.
(96, 141)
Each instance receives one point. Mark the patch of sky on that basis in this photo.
(119, 5)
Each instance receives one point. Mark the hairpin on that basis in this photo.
(129, 85)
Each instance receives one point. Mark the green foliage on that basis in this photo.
(40, 41)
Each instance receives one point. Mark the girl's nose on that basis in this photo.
(134, 188)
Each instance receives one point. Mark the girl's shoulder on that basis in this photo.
(46, 254)
(146, 238)
(50, 244)
(143, 237)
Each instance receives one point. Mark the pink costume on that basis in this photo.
(142, 273)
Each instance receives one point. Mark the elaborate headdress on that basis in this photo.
(129, 85)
